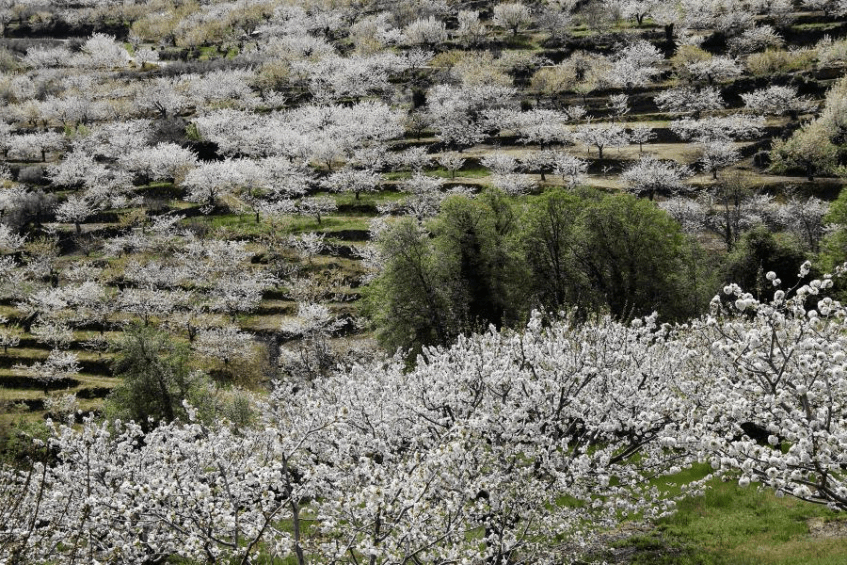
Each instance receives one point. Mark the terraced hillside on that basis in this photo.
(220, 170)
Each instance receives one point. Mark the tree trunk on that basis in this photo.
(295, 519)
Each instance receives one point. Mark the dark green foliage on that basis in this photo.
(758, 252)
(637, 259)
(156, 377)
(16, 441)
(407, 302)
(453, 277)
(472, 237)
(547, 242)
(613, 253)
(480, 262)
(833, 247)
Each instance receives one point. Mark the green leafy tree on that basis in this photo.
(637, 260)
(155, 377)
(407, 301)
(480, 263)
(547, 241)
(471, 236)
(758, 252)
(810, 149)
(452, 276)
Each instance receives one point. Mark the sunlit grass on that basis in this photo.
(731, 525)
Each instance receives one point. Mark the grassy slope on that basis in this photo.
(731, 525)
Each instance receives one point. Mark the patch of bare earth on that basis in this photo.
(827, 529)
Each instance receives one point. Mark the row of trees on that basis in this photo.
(489, 260)
(485, 261)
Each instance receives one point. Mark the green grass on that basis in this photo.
(441, 172)
(826, 26)
(465, 172)
(397, 175)
(366, 198)
(731, 525)
(235, 226)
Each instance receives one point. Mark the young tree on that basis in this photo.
(713, 70)
(165, 161)
(736, 209)
(717, 155)
(308, 245)
(571, 169)
(76, 209)
(10, 241)
(650, 176)
(452, 162)
(428, 32)
(755, 39)
(689, 212)
(552, 81)
(312, 354)
(415, 158)
(719, 128)
(805, 218)
(618, 105)
(238, 291)
(101, 51)
(472, 32)
(59, 366)
(641, 134)
(210, 181)
(225, 343)
(41, 143)
(513, 16)
(503, 176)
(10, 335)
(541, 162)
(778, 100)
(537, 126)
(636, 65)
(686, 99)
(514, 184)
(55, 333)
(353, 180)
(317, 206)
(601, 136)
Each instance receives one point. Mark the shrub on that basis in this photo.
(777, 61)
